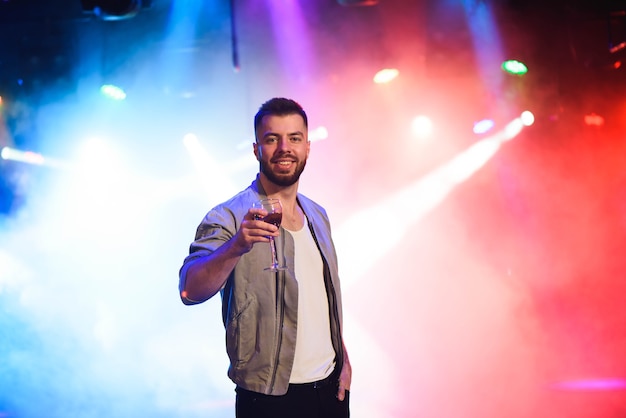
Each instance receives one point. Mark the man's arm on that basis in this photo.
(206, 275)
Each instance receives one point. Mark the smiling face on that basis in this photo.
(282, 148)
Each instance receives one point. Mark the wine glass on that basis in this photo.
(274, 216)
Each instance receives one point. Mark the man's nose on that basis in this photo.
(283, 144)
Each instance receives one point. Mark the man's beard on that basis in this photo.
(284, 180)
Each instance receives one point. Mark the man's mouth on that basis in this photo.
(284, 164)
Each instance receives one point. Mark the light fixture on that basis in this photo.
(113, 92)
(113, 9)
(514, 67)
(386, 75)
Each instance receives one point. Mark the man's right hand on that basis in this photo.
(253, 230)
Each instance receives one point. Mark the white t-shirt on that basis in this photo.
(315, 355)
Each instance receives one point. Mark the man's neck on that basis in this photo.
(293, 217)
(286, 194)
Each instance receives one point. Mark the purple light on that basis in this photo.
(591, 384)
(292, 37)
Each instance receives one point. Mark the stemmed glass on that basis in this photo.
(274, 216)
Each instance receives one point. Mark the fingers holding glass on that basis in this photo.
(271, 213)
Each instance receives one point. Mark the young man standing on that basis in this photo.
(283, 329)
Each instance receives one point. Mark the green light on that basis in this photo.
(514, 67)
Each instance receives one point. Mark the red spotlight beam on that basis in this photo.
(411, 204)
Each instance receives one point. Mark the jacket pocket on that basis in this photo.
(241, 335)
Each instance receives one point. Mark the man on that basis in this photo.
(283, 329)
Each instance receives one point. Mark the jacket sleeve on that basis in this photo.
(217, 227)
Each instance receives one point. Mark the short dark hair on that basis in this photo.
(279, 106)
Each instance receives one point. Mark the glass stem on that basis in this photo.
(274, 256)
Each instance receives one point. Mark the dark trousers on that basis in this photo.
(309, 400)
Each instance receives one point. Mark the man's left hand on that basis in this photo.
(345, 379)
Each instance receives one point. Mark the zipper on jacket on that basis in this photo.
(339, 341)
(280, 318)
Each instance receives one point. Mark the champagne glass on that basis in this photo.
(274, 216)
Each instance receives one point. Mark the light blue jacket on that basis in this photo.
(260, 308)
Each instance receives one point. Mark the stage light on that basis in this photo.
(617, 47)
(112, 9)
(514, 67)
(33, 158)
(593, 119)
(28, 157)
(190, 140)
(113, 92)
(385, 75)
(413, 203)
(422, 127)
(483, 126)
(527, 118)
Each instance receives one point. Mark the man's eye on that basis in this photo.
(296, 139)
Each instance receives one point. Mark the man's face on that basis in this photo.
(282, 148)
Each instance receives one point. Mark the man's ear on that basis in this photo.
(257, 151)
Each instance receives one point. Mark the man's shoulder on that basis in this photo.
(303, 199)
